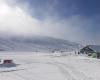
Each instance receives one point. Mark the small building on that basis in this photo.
(90, 49)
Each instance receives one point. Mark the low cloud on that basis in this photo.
(15, 20)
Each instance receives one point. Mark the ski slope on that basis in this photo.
(44, 66)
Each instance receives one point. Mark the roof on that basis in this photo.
(96, 48)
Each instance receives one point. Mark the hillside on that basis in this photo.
(36, 43)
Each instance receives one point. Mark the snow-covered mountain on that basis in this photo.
(36, 43)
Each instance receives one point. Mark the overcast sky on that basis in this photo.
(74, 20)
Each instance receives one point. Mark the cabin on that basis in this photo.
(91, 49)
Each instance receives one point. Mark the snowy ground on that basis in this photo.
(50, 67)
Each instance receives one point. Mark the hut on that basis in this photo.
(91, 49)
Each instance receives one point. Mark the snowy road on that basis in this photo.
(51, 67)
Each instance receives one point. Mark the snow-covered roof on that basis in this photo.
(96, 48)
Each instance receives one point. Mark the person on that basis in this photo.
(78, 52)
(75, 52)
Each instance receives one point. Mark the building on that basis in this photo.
(90, 49)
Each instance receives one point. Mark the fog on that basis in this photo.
(16, 20)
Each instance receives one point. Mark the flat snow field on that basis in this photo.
(39, 66)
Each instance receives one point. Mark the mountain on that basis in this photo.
(36, 43)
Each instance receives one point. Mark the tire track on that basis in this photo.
(62, 70)
(74, 72)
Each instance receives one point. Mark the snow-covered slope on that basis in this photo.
(36, 43)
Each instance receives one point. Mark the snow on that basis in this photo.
(36, 44)
(45, 66)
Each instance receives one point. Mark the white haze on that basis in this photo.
(14, 20)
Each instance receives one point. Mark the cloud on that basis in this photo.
(15, 20)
